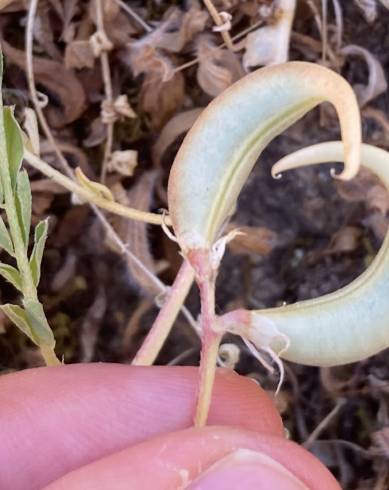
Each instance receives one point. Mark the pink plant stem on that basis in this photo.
(166, 317)
(210, 337)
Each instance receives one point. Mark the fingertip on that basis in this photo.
(247, 469)
(204, 457)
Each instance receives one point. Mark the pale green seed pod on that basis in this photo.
(221, 148)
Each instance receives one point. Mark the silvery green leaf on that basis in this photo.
(39, 326)
(19, 317)
(11, 275)
(5, 239)
(23, 203)
(14, 143)
(40, 236)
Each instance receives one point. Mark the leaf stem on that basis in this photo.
(91, 197)
(49, 356)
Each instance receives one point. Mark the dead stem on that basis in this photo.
(324, 423)
(106, 72)
(33, 92)
(219, 22)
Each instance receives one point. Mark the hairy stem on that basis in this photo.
(166, 317)
(106, 72)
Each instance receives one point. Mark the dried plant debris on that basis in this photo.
(60, 82)
(269, 45)
(217, 69)
(180, 123)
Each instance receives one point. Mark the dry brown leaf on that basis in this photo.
(368, 8)
(355, 190)
(163, 90)
(218, 68)
(123, 108)
(40, 204)
(378, 223)
(256, 240)
(30, 125)
(377, 198)
(145, 58)
(117, 25)
(380, 118)
(61, 82)
(269, 45)
(178, 28)
(67, 10)
(43, 33)
(161, 99)
(178, 124)
(134, 233)
(376, 83)
(79, 54)
(344, 240)
(97, 133)
(381, 442)
(47, 185)
(123, 162)
(11, 5)
(366, 188)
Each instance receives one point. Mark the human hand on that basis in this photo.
(113, 427)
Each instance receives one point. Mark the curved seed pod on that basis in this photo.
(220, 150)
(353, 322)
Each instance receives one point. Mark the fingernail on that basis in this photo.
(246, 469)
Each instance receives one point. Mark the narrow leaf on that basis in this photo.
(14, 143)
(11, 275)
(23, 204)
(39, 326)
(40, 236)
(19, 317)
(5, 239)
